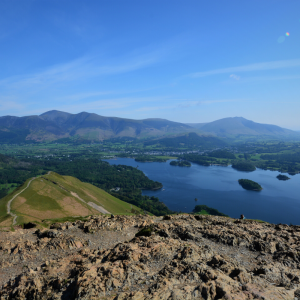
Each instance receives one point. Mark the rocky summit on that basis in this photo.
(143, 257)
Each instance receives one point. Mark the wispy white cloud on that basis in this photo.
(236, 77)
(92, 106)
(96, 94)
(102, 106)
(82, 68)
(272, 65)
(268, 78)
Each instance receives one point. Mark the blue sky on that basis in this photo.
(186, 61)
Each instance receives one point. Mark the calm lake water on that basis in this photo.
(218, 187)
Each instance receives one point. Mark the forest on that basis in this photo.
(190, 141)
(243, 166)
(198, 159)
(180, 163)
(221, 154)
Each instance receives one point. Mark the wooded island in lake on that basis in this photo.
(205, 210)
(250, 185)
(282, 177)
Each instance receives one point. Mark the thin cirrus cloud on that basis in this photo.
(99, 105)
(96, 94)
(281, 64)
(87, 106)
(82, 68)
(236, 77)
(269, 78)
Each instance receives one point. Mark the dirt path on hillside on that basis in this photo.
(9, 202)
(93, 205)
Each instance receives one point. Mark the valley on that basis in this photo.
(85, 162)
(84, 159)
(149, 150)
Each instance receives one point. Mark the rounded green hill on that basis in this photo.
(53, 196)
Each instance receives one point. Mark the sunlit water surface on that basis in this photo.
(217, 187)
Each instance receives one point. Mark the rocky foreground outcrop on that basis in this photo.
(176, 257)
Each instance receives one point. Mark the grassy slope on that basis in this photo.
(91, 193)
(50, 197)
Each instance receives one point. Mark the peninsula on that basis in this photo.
(243, 166)
(149, 158)
(180, 163)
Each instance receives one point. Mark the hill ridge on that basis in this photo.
(54, 196)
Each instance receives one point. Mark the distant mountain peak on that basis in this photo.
(54, 111)
(239, 126)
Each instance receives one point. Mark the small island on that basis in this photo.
(243, 166)
(282, 177)
(180, 163)
(205, 210)
(250, 185)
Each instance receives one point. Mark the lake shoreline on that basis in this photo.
(217, 187)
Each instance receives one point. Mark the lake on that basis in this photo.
(218, 187)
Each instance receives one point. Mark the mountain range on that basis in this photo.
(54, 125)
